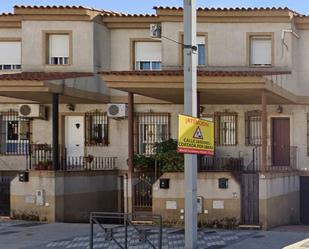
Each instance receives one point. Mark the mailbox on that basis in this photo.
(24, 176)
(164, 183)
(223, 183)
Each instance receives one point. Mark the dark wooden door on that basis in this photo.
(5, 196)
(250, 199)
(304, 200)
(280, 142)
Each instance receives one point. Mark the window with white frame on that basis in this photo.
(152, 128)
(15, 134)
(148, 56)
(96, 129)
(10, 55)
(253, 129)
(260, 51)
(58, 49)
(201, 51)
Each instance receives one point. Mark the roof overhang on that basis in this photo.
(39, 87)
(214, 87)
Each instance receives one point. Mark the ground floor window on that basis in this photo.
(96, 129)
(151, 128)
(226, 128)
(253, 128)
(15, 134)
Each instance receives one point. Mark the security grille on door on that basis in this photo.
(15, 134)
(152, 128)
(96, 129)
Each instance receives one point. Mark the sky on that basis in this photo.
(145, 6)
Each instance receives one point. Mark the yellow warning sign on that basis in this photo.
(195, 136)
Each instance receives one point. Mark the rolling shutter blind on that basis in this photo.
(261, 51)
(59, 45)
(10, 53)
(200, 40)
(148, 51)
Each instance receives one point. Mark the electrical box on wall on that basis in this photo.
(40, 197)
(164, 183)
(200, 204)
(23, 176)
(223, 183)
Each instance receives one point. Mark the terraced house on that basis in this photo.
(84, 90)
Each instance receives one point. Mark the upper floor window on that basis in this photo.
(10, 55)
(201, 51)
(152, 128)
(58, 49)
(261, 50)
(148, 56)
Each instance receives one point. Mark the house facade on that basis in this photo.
(75, 61)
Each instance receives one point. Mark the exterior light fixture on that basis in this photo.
(279, 109)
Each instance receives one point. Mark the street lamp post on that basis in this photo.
(190, 109)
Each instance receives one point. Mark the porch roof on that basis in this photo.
(72, 87)
(215, 86)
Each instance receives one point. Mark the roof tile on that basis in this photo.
(41, 76)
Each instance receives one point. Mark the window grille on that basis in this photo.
(253, 128)
(96, 129)
(226, 128)
(151, 128)
(15, 134)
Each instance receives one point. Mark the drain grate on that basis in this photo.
(32, 224)
(258, 236)
(8, 232)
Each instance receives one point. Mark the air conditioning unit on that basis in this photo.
(32, 111)
(117, 110)
(155, 30)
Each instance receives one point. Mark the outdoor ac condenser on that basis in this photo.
(117, 110)
(32, 111)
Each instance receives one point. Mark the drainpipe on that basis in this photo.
(130, 146)
(55, 130)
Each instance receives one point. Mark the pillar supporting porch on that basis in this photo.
(55, 130)
(264, 132)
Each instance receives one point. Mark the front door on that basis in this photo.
(74, 137)
(250, 198)
(280, 142)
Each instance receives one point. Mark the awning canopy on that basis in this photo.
(215, 87)
(73, 87)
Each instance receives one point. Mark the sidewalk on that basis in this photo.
(34, 235)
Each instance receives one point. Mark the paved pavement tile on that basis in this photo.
(30, 235)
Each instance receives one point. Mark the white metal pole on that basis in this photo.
(190, 108)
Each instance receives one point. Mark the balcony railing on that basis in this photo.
(40, 158)
(279, 159)
(220, 164)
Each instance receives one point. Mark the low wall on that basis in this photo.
(217, 203)
(279, 200)
(67, 196)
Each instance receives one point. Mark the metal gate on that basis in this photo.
(5, 196)
(250, 198)
(143, 192)
(304, 200)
